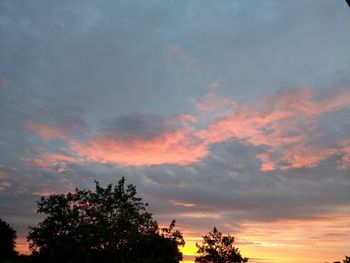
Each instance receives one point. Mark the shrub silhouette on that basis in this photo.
(218, 248)
(106, 225)
(7, 241)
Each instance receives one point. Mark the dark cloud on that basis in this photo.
(146, 126)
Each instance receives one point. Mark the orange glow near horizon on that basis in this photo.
(288, 241)
(302, 241)
(22, 246)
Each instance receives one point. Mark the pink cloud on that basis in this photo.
(45, 131)
(283, 123)
(46, 193)
(4, 185)
(211, 102)
(4, 82)
(299, 156)
(213, 85)
(282, 126)
(49, 160)
(185, 119)
(266, 164)
(2, 175)
(178, 147)
(344, 162)
(189, 60)
(176, 203)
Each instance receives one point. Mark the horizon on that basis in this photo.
(232, 114)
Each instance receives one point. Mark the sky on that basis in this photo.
(230, 113)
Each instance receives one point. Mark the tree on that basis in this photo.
(159, 247)
(345, 260)
(106, 225)
(7, 241)
(218, 248)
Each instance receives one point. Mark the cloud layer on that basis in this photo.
(285, 127)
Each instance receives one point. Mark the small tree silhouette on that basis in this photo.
(218, 248)
(7, 241)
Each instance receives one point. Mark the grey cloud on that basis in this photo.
(146, 126)
(235, 194)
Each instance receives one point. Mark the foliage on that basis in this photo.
(161, 246)
(7, 241)
(106, 225)
(218, 248)
(345, 260)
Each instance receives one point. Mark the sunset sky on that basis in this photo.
(233, 113)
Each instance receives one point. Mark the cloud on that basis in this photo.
(3, 181)
(4, 82)
(344, 162)
(175, 147)
(283, 124)
(177, 203)
(53, 160)
(189, 60)
(137, 125)
(4, 185)
(47, 192)
(58, 128)
(45, 131)
(284, 127)
(133, 139)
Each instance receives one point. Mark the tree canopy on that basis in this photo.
(107, 225)
(218, 248)
(7, 241)
(345, 260)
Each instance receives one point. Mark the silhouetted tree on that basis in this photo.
(345, 260)
(7, 241)
(106, 225)
(218, 248)
(161, 246)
